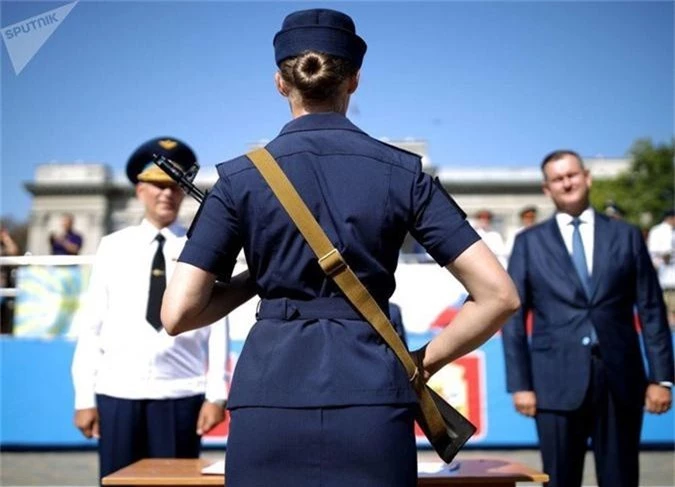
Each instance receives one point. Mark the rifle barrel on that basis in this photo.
(171, 169)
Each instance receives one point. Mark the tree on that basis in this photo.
(645, 191)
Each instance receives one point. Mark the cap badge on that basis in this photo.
(167, 144)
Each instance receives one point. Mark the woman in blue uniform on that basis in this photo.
(317, 398)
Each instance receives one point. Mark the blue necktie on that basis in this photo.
(579, 257)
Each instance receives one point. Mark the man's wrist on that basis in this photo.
(218, 402)
(665, 383)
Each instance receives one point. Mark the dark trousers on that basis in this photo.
(135, 429)
(358, 446)
(614, 430)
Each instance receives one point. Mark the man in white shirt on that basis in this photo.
(661, 238)
(139, 391)
(493, 239)
(660, 241)
(528, 217)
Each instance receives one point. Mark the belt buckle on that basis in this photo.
(332, 263)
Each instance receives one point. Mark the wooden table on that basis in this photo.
(486, 472)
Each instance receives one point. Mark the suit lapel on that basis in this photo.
(601, 255)
(559, 254)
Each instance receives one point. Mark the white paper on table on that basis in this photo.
(217, 468)
(433, 468)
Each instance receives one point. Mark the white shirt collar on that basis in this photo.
(587, 231)
(587, 216)
(150, 231)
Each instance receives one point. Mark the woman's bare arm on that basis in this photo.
(493, 299)
(194, 299)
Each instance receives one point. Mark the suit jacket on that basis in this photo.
(555, 361)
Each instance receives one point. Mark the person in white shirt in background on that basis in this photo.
(660, 242)
(482, 223)
(141, 392)
(661, 237)
(666, 273)
(528, 217)
(613, 210)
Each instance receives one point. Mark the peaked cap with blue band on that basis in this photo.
(141, 166)
(322, 30)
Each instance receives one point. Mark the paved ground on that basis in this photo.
(80, 468)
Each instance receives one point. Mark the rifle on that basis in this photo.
(181, 177)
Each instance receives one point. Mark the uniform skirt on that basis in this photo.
(369, 446)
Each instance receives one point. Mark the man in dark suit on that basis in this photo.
(581, 375)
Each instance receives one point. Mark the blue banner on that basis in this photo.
(37, 398)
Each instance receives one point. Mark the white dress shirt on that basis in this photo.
(494, 241)
(660, 239)
(118, 352)
(586, 229)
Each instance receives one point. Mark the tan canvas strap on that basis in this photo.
(333, 265)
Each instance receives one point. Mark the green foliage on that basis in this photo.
(646, 188)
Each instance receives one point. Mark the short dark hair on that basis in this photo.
(483, 213)
(528, 209)
(559, 154)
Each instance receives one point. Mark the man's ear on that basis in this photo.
(544, 188)
(279, 82)
(354, 82)
(140, 190)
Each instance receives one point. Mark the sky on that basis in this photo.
(484, 83)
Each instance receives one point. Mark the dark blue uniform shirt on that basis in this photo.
(366, 195)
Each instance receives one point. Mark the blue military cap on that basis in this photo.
(322, 30)
(141, 166)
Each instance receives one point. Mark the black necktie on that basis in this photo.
(157, 285)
